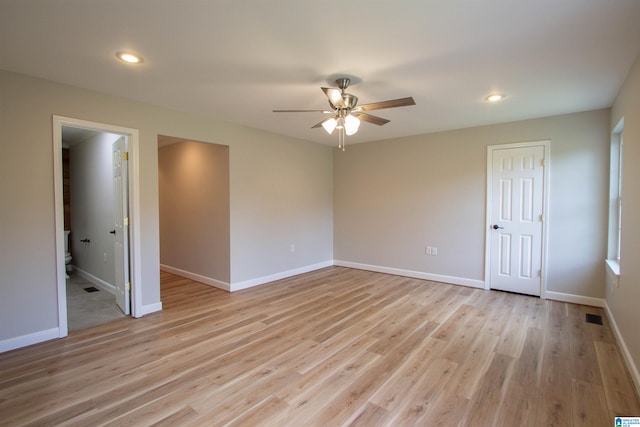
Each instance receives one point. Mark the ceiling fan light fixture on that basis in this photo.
(329, 125)
(351, 124)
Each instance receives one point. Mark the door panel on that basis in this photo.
(517, 183)
(121, 238)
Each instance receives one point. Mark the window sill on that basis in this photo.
(613, 267)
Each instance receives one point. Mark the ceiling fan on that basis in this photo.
(346, 114)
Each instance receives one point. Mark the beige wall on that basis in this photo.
(287, 199)
(280, 193)
(623, 301)
(393, 198)
(194, 208)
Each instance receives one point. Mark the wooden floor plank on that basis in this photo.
(371, 416)
(521, 401)
(475, 363)
(421, 397)
(181, 417)
(405, 377)
(447, 410)
(335, 346)
(583, 352)
(485, 404)
(555, 390)
(618, 388)
(589, 405)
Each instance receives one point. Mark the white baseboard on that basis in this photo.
(105, 286)
(414, 274)
(277, 276)
(633, 369)
(29, 339)
(575, 299)
(151, 308)
(197, 277)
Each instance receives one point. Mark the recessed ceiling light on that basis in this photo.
(129, 57)
(495, 97)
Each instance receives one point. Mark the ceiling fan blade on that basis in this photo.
(302, 111)
(335, 96)
(317, 125)
(370, 119)
(401, 102)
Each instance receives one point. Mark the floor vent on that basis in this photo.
(94, 289)
(594, 318)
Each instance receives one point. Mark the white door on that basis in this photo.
(121, 231)
(515, 218)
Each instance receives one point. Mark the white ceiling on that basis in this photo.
(236, 60)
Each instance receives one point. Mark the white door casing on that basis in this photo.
(121, 216)
(135, 266)
(516, 195)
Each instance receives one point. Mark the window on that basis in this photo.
(615, 198)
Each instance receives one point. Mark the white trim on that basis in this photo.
(105, 286)
(487, 219)
(613, 267)
(472, 283)
(135, 263)
(277, 276)
(150, 308)
(576, 299)
(546, 144)
(197, 277)
(58, 196)
(135, 238)
(30, 339)
(633, 369)
(615, 186)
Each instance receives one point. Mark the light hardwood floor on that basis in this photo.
(333, 347)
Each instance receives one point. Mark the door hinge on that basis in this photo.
(544, 162)
(541, 217)
(126, 222)
(125, 155)
(128, 286)
(539, 273)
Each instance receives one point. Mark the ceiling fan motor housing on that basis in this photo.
(343, 83)
(350, 101)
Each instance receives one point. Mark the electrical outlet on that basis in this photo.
(434, 251)
(430, 250)
(293, 248)
(105, 257)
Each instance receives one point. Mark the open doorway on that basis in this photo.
(91, 206)
(194, 210)
(90, 229)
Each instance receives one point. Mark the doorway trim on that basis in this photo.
(546, 144)
(135, 259)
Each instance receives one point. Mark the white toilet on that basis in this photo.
(67, 254)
